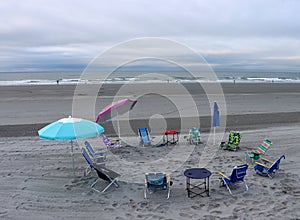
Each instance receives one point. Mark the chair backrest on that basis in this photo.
(156, 180)
(92, 152)
(264, 146)
(275, 165)
(234, 138)
(89, 148)
(194, 133)
(239, 173)
(105, 140)
(144, 135)
(87, 157)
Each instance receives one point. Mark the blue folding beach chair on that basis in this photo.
(157, 181)
(238, 175)
(265, 170)
(144, 136)
(103, 173)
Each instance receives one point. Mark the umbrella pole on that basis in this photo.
(72, 153)
(119, 135)
(214, 136)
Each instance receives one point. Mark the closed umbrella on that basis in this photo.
(70, 129)
(216, 119)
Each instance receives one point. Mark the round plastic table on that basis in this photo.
(197, 189)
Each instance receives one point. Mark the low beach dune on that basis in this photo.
(37, 180)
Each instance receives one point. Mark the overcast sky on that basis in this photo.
(57, 35)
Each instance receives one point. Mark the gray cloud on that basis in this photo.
(230, 34)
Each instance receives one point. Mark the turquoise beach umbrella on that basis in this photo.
(70, 129)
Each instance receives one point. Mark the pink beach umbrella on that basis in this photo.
(120, 107)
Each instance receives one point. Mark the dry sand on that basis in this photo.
(37, 182)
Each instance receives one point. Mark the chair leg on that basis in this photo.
(145, 193)
(112, 182)
(269, 175)
(228, 188)
(94, 183)
(116, 183)
(246, 186)
(169, 190)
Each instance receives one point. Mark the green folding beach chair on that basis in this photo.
(233, 141)
(261, 150)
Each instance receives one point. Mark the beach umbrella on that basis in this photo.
(70, 129)
(120, 107)
(216, 119)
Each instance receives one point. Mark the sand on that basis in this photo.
(37, 180)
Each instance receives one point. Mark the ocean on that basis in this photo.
(74, 77)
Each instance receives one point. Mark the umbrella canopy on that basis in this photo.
(121, 107)
(70, 129)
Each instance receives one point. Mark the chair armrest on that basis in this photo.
(168, 178)
(265, 159)
(263, 165)
(223, 175)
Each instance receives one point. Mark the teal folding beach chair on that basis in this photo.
(194, 136)
(238, 175)
(156, 182)
(233, 143)
(103, 173)
(144, 136)
(264, 170)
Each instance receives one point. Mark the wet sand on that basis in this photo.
(27, 108)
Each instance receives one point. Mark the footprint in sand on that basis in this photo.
(185, 215)
(3, 213)
(115, 204)
(128, 215)
(109, 209)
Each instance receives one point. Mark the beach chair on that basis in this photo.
(144, 136)
(99, 156)
(109, 142)
(157, 181)
(234, 140)
(264, 170)
(103, 173)
(261, 150)
(238, 175)
(194, 136)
